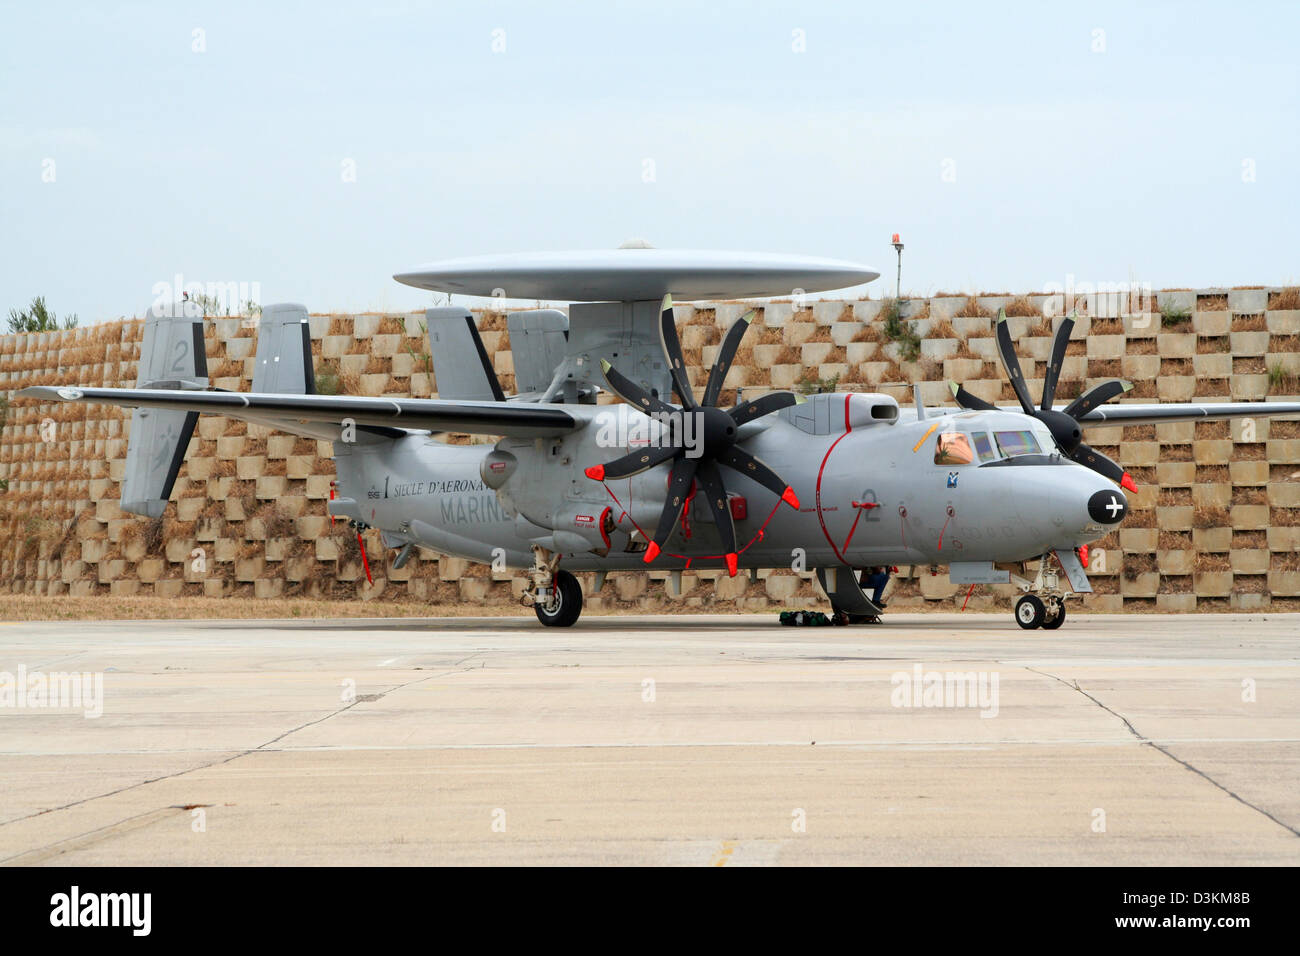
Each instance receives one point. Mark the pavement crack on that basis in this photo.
(1147, 741)
(365, 698)
(80, 841)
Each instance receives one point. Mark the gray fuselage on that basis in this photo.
(1009, 505)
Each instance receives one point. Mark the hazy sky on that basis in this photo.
(1010, 149)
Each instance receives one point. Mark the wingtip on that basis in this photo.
(63, 393)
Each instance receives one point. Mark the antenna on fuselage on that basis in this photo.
(921, 413)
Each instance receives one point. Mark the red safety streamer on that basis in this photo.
(861, 506)
(365, 562)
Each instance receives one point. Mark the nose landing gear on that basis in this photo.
(1032, 612)
(1044, 605)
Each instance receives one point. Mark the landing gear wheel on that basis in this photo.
(1030, 612)
(1052, 623)
(565, 607)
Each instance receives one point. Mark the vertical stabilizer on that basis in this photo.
(461, 368)
(283, 362)
(171, 356)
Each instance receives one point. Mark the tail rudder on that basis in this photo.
(172, 355)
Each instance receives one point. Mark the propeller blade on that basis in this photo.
(634, 394)
(1011, 364)
(726, 355)
(679, 483)
(716, 493)
(766, 405)
(1053, 373)
(1098, 395)
(742, 461)
(966, 400)
(633, 463)
(673, 350)
(1103, 466)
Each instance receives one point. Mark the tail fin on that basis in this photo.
(283, 362)
(538, 340)
(461, 368)
(171, 356)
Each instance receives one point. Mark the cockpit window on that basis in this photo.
(984, 446)
(952, 448)
(1012, 444)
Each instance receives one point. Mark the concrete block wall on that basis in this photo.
(1216, 524)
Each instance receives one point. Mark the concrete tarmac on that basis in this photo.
(697, 740)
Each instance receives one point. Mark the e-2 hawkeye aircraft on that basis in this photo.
(839, 481)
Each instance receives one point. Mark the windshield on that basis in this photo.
(1015, 443)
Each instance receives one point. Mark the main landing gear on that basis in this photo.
(1044, 606)
(556, 595)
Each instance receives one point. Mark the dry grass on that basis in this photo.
(1284, 517)
(942, 329)
(1288, 298)
(1211, 516)
(972, 309)
(1021, 306)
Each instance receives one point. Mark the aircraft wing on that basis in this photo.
(516, 420)
(1159, 414)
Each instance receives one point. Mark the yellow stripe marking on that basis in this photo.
(917, 446)
(728, 847)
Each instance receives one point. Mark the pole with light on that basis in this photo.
(898, 288)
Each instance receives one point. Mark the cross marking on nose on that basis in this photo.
(1114, 507)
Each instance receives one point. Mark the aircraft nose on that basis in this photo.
(1107, 506)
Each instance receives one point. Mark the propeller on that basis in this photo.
(1064, 425)
(715, 431)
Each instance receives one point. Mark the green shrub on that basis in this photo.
(327, 379)
(900, 330)
(1171, 315)
(37, 317)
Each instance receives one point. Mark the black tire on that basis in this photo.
(1053, 623)
(568, 602)
(1030, 612)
